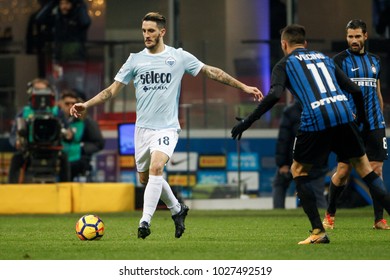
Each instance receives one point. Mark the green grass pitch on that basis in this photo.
(210, 235)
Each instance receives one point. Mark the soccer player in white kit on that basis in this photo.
(157, 72)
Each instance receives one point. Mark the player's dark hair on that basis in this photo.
(356, 24)
(294, 34)
(69, 93)
(157, 18)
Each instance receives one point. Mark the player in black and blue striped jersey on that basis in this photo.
(327, 122)
(364, 69)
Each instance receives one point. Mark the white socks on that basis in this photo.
(157, 187)
(151, 196)
(169, 198)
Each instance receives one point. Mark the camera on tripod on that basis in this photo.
(40, 133)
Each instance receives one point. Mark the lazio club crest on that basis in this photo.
(170, 61)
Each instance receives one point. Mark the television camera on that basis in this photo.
(40, 132)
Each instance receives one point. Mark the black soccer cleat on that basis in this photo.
(143, 230)
(179, 220)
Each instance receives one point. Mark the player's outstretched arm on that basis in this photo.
(79, 109)
(265, 105)
(221, 76)
(239, 128)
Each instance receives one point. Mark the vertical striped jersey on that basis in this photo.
(364, 69)
(311, 78)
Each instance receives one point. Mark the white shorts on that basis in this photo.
(149, 140)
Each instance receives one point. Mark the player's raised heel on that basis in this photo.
(179, 219)
(328, 221)
(143, 230)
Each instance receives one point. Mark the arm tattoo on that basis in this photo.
(105, 95)
(222, 77)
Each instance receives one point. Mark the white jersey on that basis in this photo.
(157, 81)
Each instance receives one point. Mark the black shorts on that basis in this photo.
(375, 143)
(314, 147)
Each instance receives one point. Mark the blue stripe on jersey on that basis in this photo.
(364, 70)
(313, 82)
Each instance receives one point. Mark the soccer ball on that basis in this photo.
(90, 227)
